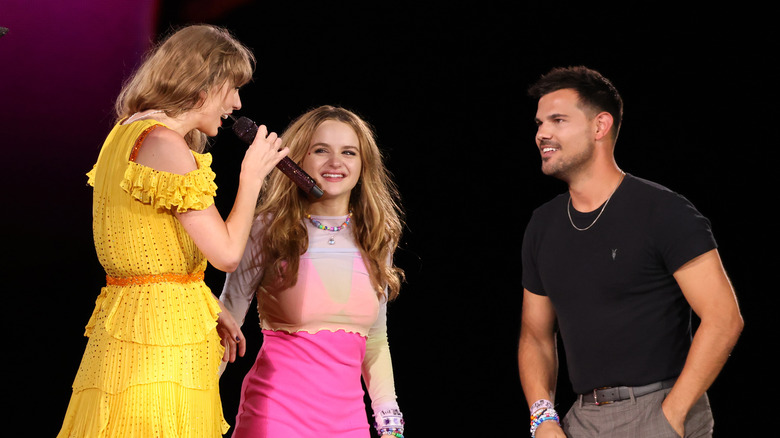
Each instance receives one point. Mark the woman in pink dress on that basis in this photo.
(322, 272)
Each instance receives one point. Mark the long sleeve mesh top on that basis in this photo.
(333, 292)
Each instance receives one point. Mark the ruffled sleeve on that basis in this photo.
(192, 191)
(91, 177)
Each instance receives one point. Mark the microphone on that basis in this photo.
(246, 130)
(3, 30)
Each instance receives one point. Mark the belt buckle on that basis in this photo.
(596, 397)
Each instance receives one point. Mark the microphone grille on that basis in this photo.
(245, 129)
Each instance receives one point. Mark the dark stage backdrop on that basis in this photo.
(444, 86)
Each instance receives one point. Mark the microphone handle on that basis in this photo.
(246, 130)
(299, 177)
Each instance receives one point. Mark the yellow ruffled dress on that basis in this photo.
(151, 364)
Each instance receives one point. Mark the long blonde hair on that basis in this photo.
(375, 203)
(175, 75)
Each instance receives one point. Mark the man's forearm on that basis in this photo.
(711, 347)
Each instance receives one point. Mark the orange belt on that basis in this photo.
(155, 278)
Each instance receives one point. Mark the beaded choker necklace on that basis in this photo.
(319, 225)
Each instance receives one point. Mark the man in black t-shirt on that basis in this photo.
(616, 264)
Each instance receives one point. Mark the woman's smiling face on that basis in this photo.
(333, 159)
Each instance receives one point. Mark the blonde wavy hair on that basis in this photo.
(375, 203)
(179, 71)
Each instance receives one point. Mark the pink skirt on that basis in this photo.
(304, 385)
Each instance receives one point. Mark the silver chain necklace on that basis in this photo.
(568, 206)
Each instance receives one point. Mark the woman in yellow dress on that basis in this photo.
(157, 334)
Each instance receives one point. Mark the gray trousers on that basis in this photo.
(639, 417)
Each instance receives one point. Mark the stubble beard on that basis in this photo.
(565, 169)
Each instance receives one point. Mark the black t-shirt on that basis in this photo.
(621, 314)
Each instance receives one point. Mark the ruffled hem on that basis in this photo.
(156, 314)
(113, 365)
(192, 191)
(315, 331)
(153, 410)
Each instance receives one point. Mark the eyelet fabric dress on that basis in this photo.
(151, 363)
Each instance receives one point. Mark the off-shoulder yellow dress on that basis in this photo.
(150, 368)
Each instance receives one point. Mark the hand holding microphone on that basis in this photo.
(246, 130)
(264, 152)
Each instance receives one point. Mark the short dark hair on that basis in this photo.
(594, 90)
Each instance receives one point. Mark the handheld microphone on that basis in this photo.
(246, 130)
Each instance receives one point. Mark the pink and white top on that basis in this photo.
(333, 292)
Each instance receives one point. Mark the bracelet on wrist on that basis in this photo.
(542, 415)
(540, 404)
(389, 422)
(391, 432)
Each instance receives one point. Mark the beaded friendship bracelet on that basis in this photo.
(542, 415)
(542, 403)
(390, 421)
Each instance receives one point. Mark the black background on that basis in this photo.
(444, 87)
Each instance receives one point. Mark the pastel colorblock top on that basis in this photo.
(333, 292)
